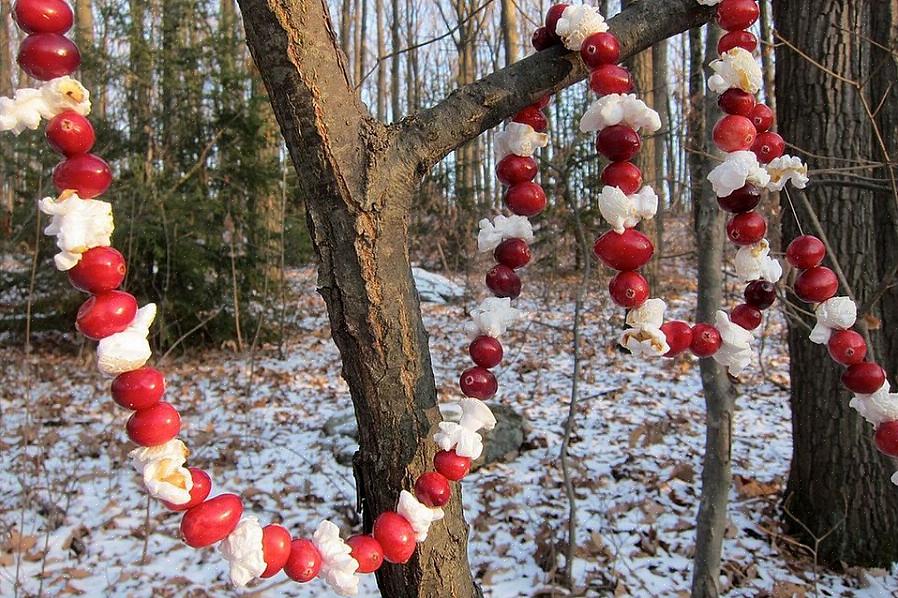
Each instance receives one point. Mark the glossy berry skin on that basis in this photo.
(202, 486)
(760, 294)
(816, 285)
(541, 39)
(154, 426)
(513, 169)
(618, 143)
(805, 252)
(679, 337)
(105, 314)
(100, 269)
(525, 199)
(600, 48)
(543, 102)
(737, 102)
(864, 378)
(70, 134)
(396, 537)
(737, 39)
(451, 466)
(747, 228)
(768, 146)
(624, 175)
(43, 16)
(46, 56)
(734, 15)
(743, 199)
(478, 383)
(432, 489)
(303, 562)
(367, 552)
(705, 340)
(747, 316)
(552, 15)
(847, 347)
(503, 282)
(610, 78)
(762, 117)
(138, 389)
(886, 438)
(513, 253)
(87, 174)
(486, 351)
(276, 545)
(211, 521)
(734, 133)
(629, 250)
(532, 116)
(629, 289)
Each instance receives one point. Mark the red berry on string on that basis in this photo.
(367, 552)
(138, 389)
(70, 134)
(532, 116)
(486, 351)
(762, 117)
(552, 15)
(543, 102)
(478, 383)
(607, 79)
(746, 316)
(452, 466)
(211, 521)
(768, 146)
(303, 562)
(503, 281)
(737, 102)
(629, 289)
(679, 336)
(743, 199)
(864, 378)
(541, 39)
(154, 426)
(276, 545)
(886, 438)
(847, 347)
(760, 293)
(618, 143)
(624, 175)
(86, 174)
(600, 48)
(734, 133)
(747, 228)
(734, 15)
(525, 199)
(705, 340)
(514, 169)
(43, 16)
(816, 285)
(202, 486)
(513, 253)
(629, 250)
(805, 252)
(432, 489)
(100, 269)
(46, 56)
(737, 39)
(105, 314)
(396, 537)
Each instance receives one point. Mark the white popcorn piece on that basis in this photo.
(419, 515)
(787, 169)
(623, 211)
(78, 225)
(519, 139)
(878, 407)
(645, 336)
(28, 106)
(462, 436)
(338, 568)
(163, 471)
(737, 170)
(129, 349)
(709, 2)
(894, 478)
(502, 228)
(735, 351)
(620, 109)
(243, 551)
(836, 313)
(736, 68)
(753, 262)
(578, 22)
(492, 317)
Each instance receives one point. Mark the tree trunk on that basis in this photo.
(510, 31)
(838, 483)
(660, 92)
(381, 67)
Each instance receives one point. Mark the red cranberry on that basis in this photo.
(396, 537)
(746, 316)
(760, 293)
(607, 79)
(679, 336)
(541, 39)
(734, 15)
(70, 134)
(452, 466)
(552, 15)
(864, 378)
(886, 438)
(532, 116)
(737, 102)
(138, 389)
(432, 489)
(503, 282)
(600, 48)
(747, 228)
(805, 252)
(100, 269)
(87, 174)
(202, 486)
(743, 199)
(543, 102)
(478, 383)
(618, 143)
(737, 39)
(513, 253)
(514, 169)
(486, 351)
(629, 250)
(367, 552)
(816, 285)
(629, 289)
(304, 561)
(154, 426)
(705, 340)
(734, 133)
(276, 543)
(525, 199)
(762, 117)
(624, 175)
(847, 347)
(211, 521)
(47, 56)
(768, 146)
(43, 16)
(105, 314)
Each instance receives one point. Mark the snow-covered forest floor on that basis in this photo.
(74, 519)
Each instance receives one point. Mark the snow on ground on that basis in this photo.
(74, 519)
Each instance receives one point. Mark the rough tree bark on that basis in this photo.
(358, 178)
